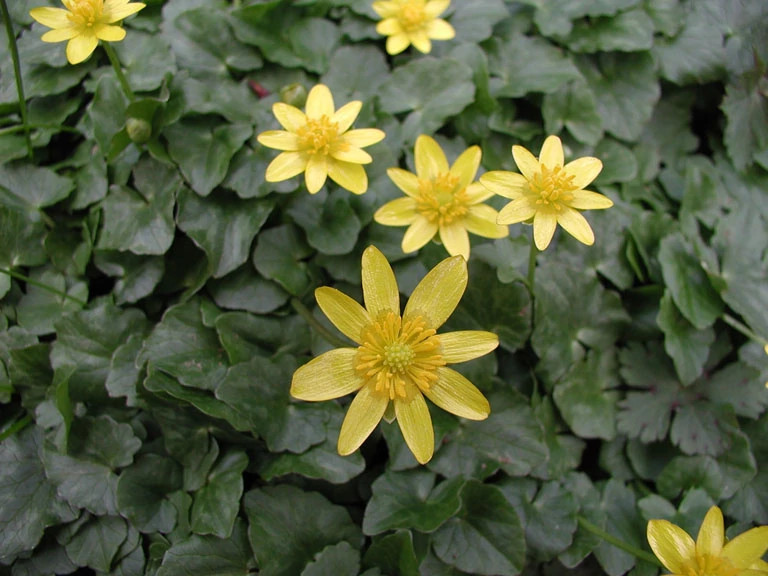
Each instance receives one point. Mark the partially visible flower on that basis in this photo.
(441, 200)
(84, 23)
(407, 22)
(320, 143)
(398, 359)
(548, 193)
(710, 555)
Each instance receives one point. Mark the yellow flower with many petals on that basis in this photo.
(548, 192)
(398, 359)
(84, 23)
(416, 22)
(710, 555)
(441, 200)
(320, 144)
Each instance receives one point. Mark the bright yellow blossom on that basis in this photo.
(710, 555)
(84, 23)
(441, 200)
(319, 143)
(407, 22)
(398, 359)
(548, 192)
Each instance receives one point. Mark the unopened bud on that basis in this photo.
(294, 94)
(139, 130)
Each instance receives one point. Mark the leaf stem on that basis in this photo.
(636, 552)
(741, 327)
(532, 265)
(20, 424)
(319, 328)
(51, 289)
(17, 73)
(24, 127)
(118, 71)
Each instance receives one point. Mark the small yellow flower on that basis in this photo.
(398, 359)
(710, 555)
(84, 23)
(441, 200)
(548, 192)
(407, 22)
(320, 144)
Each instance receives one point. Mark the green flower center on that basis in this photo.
(440, 202)
(706, 565)
(318, 135)
(553, 187)
(398, 357)
(412, 15)
(84, 12)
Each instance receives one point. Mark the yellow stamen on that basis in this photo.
(553, 187)
(440, 202)
(318, 135)
(84, 12)
(706, 565)
(412, 15)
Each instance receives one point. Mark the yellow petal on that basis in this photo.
(59, 35)
(544, 224)
(576, 225)
(286, 165)
(551, 154)
(349, 176)
(526, 162)
(364, 414)
(386, 9)
(330, 375)
(434, 8)
(477, 193)
(406, 181)
(389, 27)
(346, 115)
(711, 534)
(747, 548)
(466, 165)
(316, 173)
(398, 212)
(362, 137)
(279, 140)
(455, 239)
(110, 33)
(430, 158)
(320, 102)
(440, 30)
(55, 18)
(351, 155)
(507, 184)
(455, 394)
(418, 234)
(379, 285)
(290, 117)
(437, 295)
(397, 43)
(80, 47)
(516, 211)
(671, 544)
(421, 41)
(346, 314)
(115, 11)
(416, 426)
(481, 220)
(466, 345)
(583, 170)
(588, 200)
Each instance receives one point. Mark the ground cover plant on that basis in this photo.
(508, 257)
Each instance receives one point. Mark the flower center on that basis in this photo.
(412, 15)
(706, 565)
(84, 12)
(318, 135)
(440, 202)
(398, 357)
(552, 186)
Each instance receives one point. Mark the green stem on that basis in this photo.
(532, 265)
(119, 71)
(17, 72)
(733, 323)
(50, 289)
(636, 552)
(319, 328)
(16, 426)
(23, 127)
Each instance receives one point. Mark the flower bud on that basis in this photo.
(138, 129)
(294, 94)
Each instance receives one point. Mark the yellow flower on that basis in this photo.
(398, 360)
(320, 144)
(441, 200)
(548, 192)
(407, 22)
(710, 555)
(84, 23)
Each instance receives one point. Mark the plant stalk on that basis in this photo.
(17, 73)
(113, 59)
(50, 289)
(319, 328)
(636, 552)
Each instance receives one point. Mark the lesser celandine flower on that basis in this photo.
(84, 23)
(441, 200)
(710, 555)
(548, 192)
(320, 143)
(416, 22)
(398, 359)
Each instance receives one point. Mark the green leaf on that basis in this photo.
(554, 17)
(106, 113)
(39, 309)
(28, 187)
(143, 492)
(574, 107)
(474, 21)
(83, 484)
(620, 164)
(147, 59)
(751, 400)
(245, 290)
(746, 108)
(356, 71)
(203, 151)
(123, 377)
(410, 500)
(393, 554)
(210, 94)
(623, 521)
(313, 41)
(279, 256)
(96, 543)
(331, 224)
(486, 537)
(703, 428)
(217, 503)
(244, 335)
(684, 473)
(749, 503)
(104, 440)
(630, 31)
(21, 239)
(286, 539)
(136, 277)
(336, 560)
